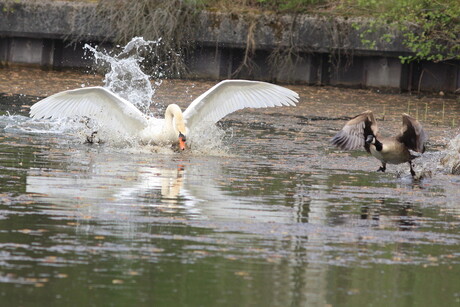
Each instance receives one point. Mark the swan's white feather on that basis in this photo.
(95, 102)
(119, 115)
(231, 95)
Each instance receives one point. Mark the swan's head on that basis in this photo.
(179, 126)
(182, 140)
(175, 125)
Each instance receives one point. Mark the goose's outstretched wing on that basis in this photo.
(231, 95)
(412, 134)
(93, 102)
(353, 135)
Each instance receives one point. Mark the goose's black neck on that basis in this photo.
(378, 145)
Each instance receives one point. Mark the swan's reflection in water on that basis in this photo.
(133, 194)
(122, 187)
(192, 188)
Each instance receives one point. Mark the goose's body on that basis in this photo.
(121, 116)
(362, 131)
(392, 152)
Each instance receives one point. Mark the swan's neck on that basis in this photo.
(174, 119)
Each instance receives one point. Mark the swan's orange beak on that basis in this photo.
(182, 141)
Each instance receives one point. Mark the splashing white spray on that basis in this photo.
(451, 158)
(125, 76)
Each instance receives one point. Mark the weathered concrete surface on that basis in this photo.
(53, 20)
(330, 50)
(57, 20)
(306, 33)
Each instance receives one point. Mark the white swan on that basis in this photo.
(120, 115)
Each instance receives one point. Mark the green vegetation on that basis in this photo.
(431, 29)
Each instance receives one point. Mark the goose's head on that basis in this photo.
(370, 139)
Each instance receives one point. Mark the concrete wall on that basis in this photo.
(39, 34)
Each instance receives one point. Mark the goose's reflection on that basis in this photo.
(400, 217)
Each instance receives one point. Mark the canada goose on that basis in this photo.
(362, 130)
(110, 109)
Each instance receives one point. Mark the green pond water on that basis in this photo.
(272, 217)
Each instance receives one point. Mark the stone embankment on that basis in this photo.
(330, 51)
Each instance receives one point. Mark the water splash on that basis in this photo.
(209, 140)
(19, 124)
(125, 75)
(451, 158)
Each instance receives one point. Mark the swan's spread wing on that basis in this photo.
(93, 102)
(354, 133)
(231, 95)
